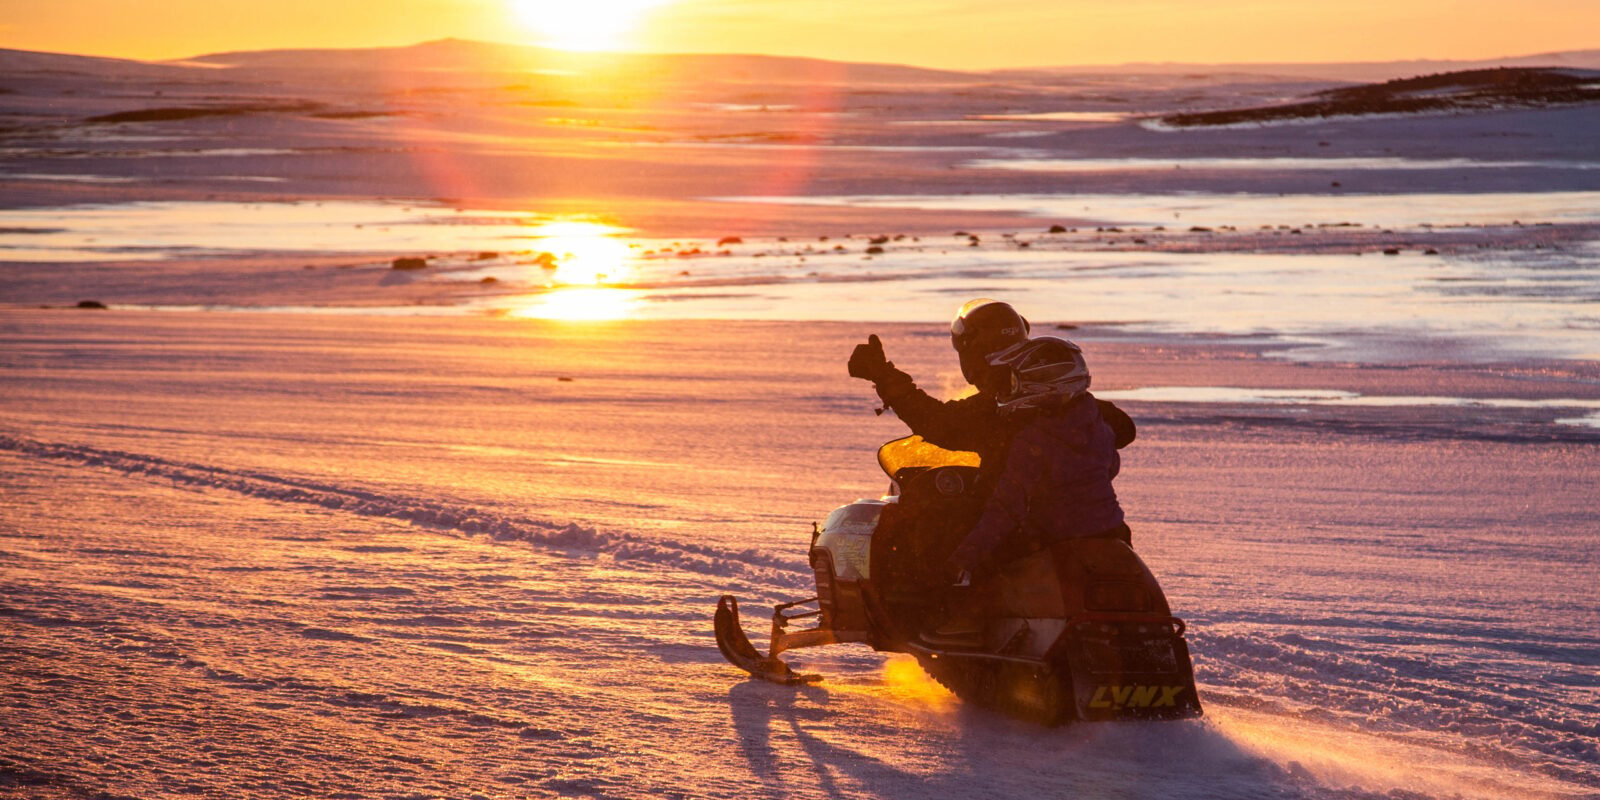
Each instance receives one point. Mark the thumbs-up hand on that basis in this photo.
(868, 362)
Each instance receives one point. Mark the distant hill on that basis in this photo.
(461, 56)
(1451, 91)
(1362, 71)
(456, 55)
(443, 54)
(19, 62)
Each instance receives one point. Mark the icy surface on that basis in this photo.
(1245, 208)
(431, 542)
(279, 556)
(1326, 275)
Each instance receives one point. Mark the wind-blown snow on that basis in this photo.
(269, 556)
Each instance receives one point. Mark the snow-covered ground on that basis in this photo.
(431, 541)
(273, 555)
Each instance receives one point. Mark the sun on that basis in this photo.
(581, 24)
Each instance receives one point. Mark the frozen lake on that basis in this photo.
(1392, 277)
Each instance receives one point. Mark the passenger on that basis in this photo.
(1048, 448)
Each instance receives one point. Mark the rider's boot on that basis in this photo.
(960, 627)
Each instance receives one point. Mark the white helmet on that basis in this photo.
(1044, 373)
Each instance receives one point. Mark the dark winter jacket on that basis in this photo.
(1047, 475)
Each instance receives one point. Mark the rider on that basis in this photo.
(1048, 448)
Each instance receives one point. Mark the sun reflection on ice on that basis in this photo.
(581, 304)
(579, 258)
(581, 253)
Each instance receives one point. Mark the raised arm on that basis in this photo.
(965, 424)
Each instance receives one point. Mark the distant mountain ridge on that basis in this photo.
(464, 55)
(18, 62)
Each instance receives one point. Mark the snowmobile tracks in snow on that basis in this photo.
(423, 512)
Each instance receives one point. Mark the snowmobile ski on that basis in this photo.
(736, 647)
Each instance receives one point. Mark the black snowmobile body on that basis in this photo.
(1077, 631)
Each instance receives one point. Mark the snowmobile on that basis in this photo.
(1077, 631)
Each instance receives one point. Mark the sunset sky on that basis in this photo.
(966, 34)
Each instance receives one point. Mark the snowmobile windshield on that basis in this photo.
(913, 452)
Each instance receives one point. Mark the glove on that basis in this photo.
(867, 361)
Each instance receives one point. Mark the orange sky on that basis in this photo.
(963, 34)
